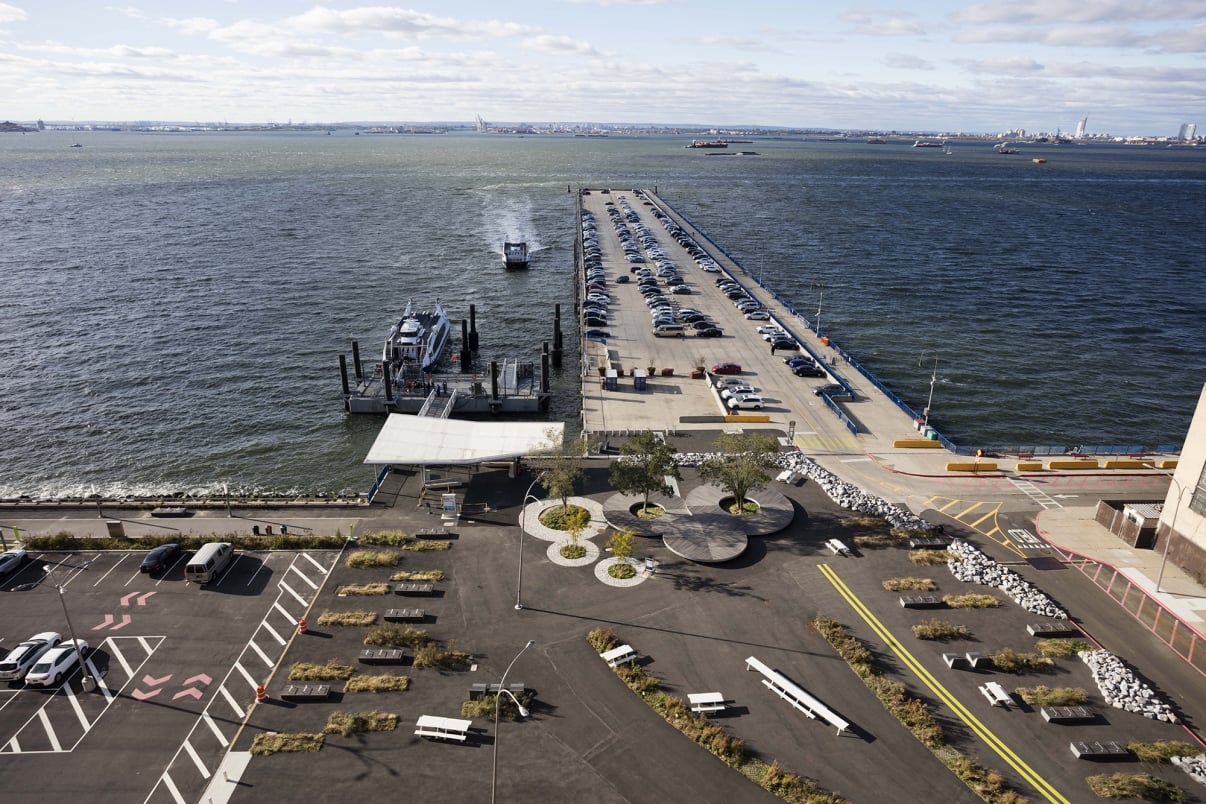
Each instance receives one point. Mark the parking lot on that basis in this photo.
(173, 670)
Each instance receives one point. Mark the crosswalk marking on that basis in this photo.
(818, 443)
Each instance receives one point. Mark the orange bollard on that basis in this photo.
(301, 625)
(261, 694)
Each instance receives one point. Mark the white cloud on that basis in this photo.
(11, 13)
(1063, 12)
(906, 61)
(886, 25)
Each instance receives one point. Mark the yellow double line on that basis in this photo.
(1045, 789)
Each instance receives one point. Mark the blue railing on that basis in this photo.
(377, 483)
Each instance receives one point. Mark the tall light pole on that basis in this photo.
(87, 679)
(820, 285)
(522, 520)
(502, 683)
(933, 379)
(1172, 530)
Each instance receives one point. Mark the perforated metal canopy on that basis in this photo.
(419, 440)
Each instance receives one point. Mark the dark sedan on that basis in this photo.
(159, 559)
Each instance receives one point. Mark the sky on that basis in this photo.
(1132, 67)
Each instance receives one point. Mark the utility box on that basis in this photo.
(611, 381)
(116, 529)
(639, 380)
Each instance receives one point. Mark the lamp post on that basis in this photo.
(522, 520)
(502, 684)
(820, 285)
(87, 679)
(1172, 530)
(933, 379)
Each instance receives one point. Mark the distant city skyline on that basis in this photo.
(1131, 69)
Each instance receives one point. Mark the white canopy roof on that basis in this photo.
(417, 440)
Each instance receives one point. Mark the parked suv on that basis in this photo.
(20, 659)
(56, 663)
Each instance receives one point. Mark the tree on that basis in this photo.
(576, 522)
(644, 464)
(741, 464)
(563, 467)
(621, 544)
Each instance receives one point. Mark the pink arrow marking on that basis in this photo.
(142, 598)
(108, 621)
(126, 619)
(204, 679)
(195, 693)
(151, 681)
(139, 695)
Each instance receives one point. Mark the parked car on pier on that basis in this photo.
(726, 368)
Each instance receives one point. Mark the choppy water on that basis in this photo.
(173, 305)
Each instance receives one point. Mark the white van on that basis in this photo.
(209, 562)
(669, 331)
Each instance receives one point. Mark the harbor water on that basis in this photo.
(174, 304)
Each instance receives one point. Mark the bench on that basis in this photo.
(928, 543)
(434, 533)
(414, 588)
(953, 659)
(442, 728)
(996, 694)
(382, 656)
(306, 692)
(619, 655)
(974, 660)
(402, 615)
(706, 701)
(779, 684)
(921, 602)
(838, 548)
(477, 691)
(169, 511)
(1068, 714)
(1056, 629)
(1098, 750)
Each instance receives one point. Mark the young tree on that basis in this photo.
(576, 522)
(741, 465)
(621, 544)
(644, 464)
(563, 468)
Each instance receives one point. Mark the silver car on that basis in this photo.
(57, 663)
(20, 659)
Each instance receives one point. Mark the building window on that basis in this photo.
(1197, 500)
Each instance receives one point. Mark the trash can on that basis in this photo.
(639, 380)
(611, 382)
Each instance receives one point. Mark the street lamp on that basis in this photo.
(1172, 530)
(933, 379)
(87, 679)
(502, 684)
(522, 519)
(817, 283)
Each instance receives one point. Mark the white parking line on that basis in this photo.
(115, 565)
(296, 596)
(267, 662)
(50, 735)
(251, 682)
(277, 605)
(171, 786)
(320, 567)
(188, 749)
(121, 659)
(14, 746)
(75, 705)
(279, 639)
(240, 711)
(209, 721)
(302, 575)
(100, 682)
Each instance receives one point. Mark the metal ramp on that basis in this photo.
(438, 407)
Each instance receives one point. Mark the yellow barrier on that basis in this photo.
(1171, 463)
(972, 466)
(1073, 465)
(1126, 463)
(1030, 466)
(916, 443)
(750, 418)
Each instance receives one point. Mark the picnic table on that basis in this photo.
(442, 728)
(414, 588)
(706, 701)
(619, 655)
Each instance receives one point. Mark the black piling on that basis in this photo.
(356, 364)
(343, 375)
(473, 327)
(494, 380)
(556, 336)
(466, 349)
(544, 368)
(389, 381)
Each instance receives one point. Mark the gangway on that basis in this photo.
(438, 407)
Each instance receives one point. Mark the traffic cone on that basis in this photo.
(301, 625)
(261, 694)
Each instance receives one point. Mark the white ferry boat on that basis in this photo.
(418, 339)
(515, 254)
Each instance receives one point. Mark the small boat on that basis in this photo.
(1005, 148)
(515, 255)
(1038, 160)
(928, 144)
(876, 141)
(417, 341)
(707, 144)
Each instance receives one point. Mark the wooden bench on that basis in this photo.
(996, 694)
(382, 656)
(921, 602)
(706, 701)
(403, 615)
(477, 691)
(1062, 628)
(838, 548)
(928, 543)
(306, 692)
(619, 655)
(414, 588)
(442, 728)
(1099, 750)
(1068, 714)
(777, 683)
